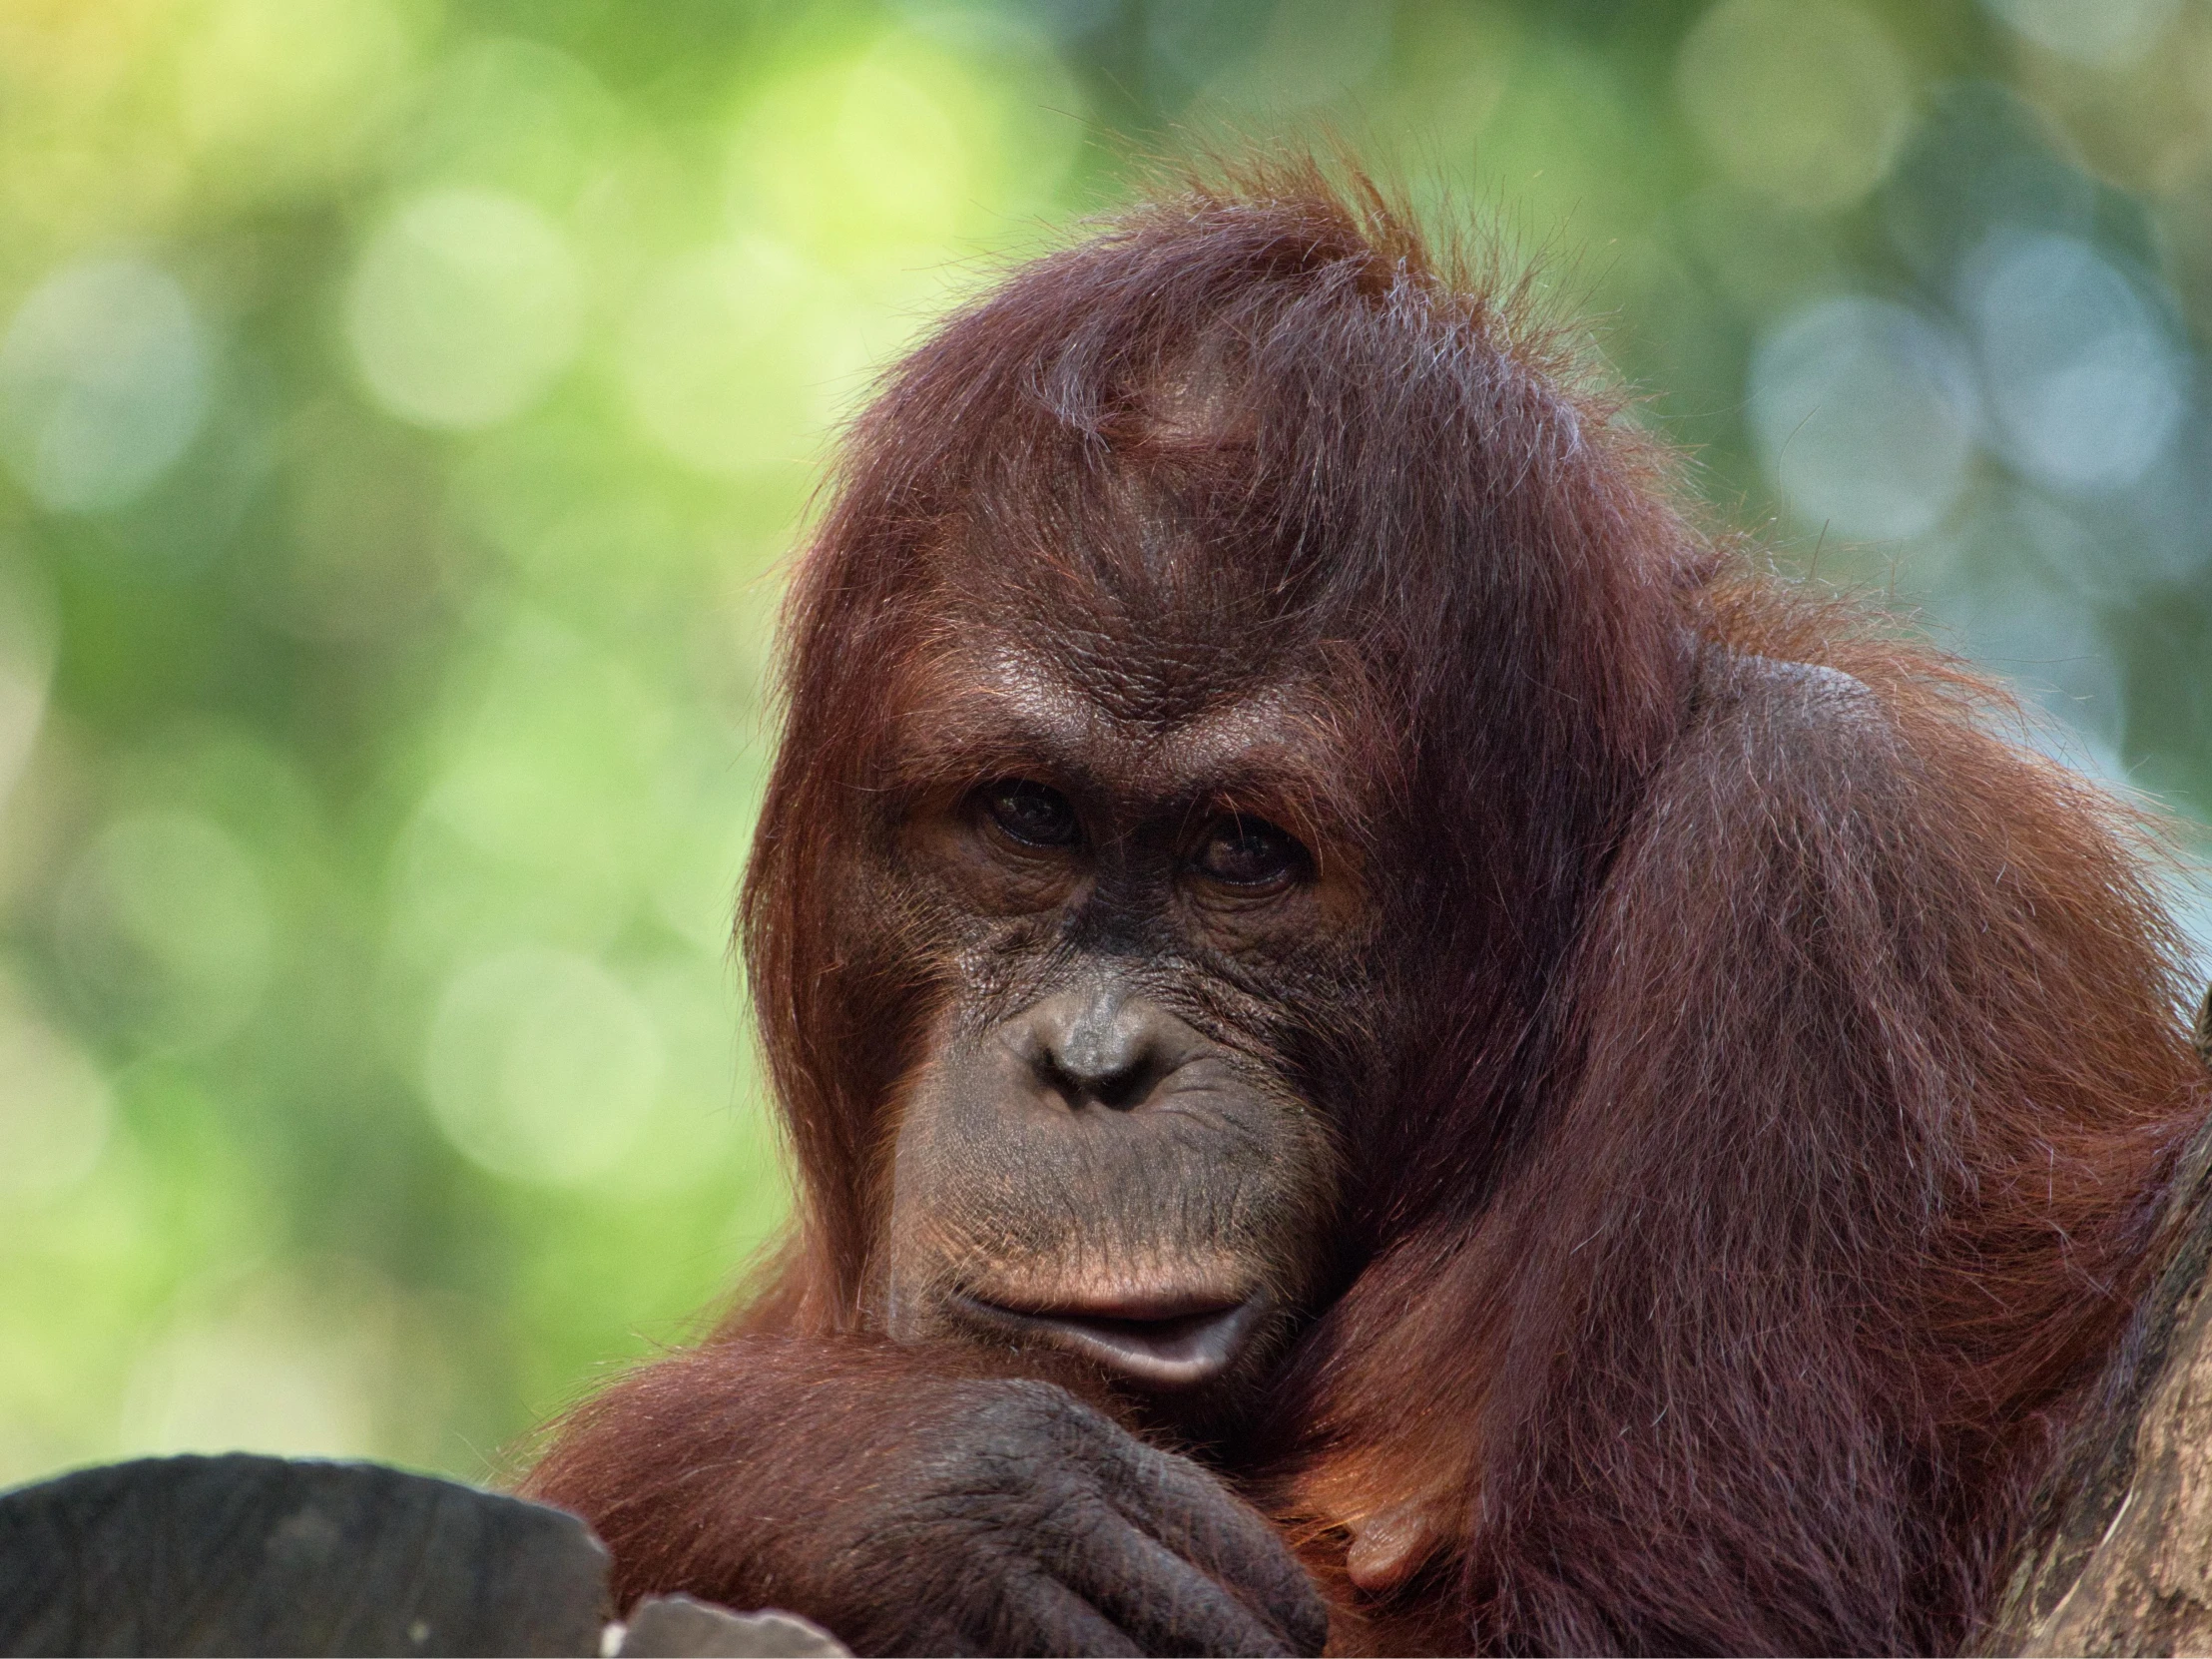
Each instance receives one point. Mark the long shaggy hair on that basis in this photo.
(1783, 1070)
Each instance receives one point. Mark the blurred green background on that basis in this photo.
(406, 411)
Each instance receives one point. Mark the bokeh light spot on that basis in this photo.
(2105, 33)
(103, 382)
(465, 306)
(1863, 413)
(541, 1068)
(1807, 101)
(2084, 385)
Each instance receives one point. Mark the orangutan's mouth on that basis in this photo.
(1162, 1341)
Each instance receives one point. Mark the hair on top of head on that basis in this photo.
(1331, 408)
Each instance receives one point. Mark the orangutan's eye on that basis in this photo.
(1249, 852)
(1032, 813)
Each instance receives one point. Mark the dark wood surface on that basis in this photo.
(262, 1556)
(268, 1556)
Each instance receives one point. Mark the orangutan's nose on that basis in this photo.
(1103, 1045)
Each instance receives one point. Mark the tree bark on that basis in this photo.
(2118, 1557)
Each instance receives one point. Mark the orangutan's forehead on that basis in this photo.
(1142, 618)
(1092, 692)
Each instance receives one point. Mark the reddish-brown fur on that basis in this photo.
(1786, 1070)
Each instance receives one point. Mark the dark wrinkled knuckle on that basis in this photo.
(1309, 1627)
(1025, 1409)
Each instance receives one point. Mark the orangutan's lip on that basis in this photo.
(1162, 1338)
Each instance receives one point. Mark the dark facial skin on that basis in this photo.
(1113, 1148)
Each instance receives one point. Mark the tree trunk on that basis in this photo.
(2117, 1558)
